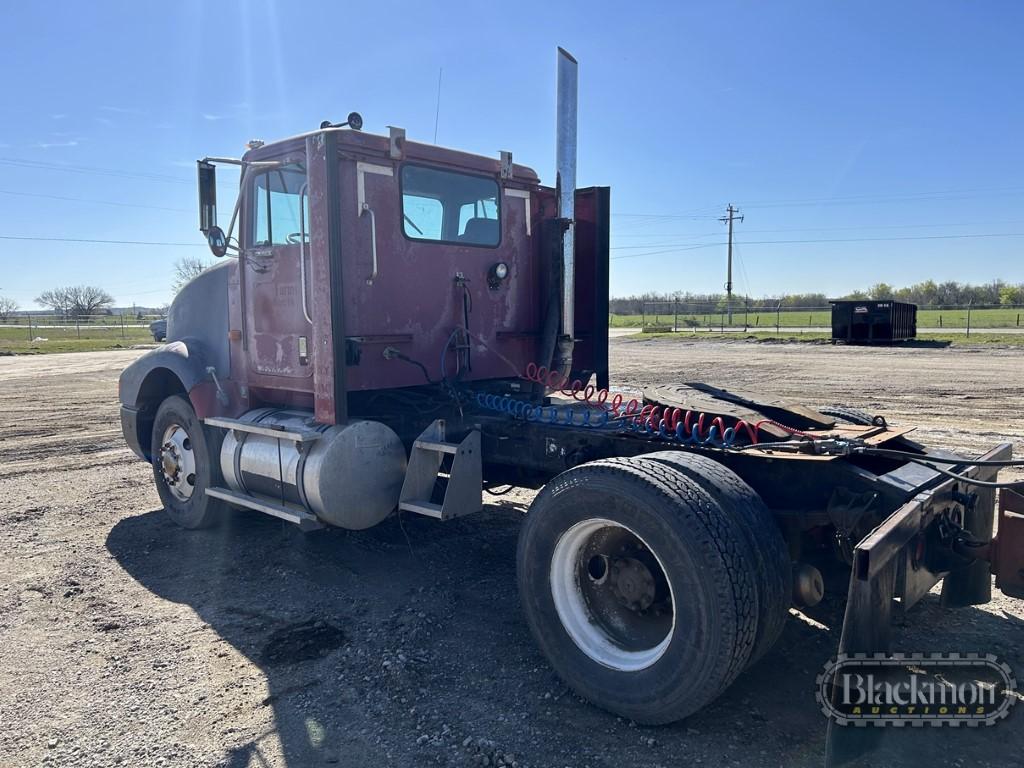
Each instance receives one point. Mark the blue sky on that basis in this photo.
(876, 122)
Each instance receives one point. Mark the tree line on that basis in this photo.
(75, 301)
(927, 293)
(81, 301)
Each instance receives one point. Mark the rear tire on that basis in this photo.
(186, 461)
(769, 554)
(635, 588)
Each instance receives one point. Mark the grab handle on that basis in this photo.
(373, 241)
(302, 251)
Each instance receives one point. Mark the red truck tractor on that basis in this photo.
(397, 327)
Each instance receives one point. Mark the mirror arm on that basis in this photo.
(234, 213)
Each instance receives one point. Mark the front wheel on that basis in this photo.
(634, 585)
(186, 461)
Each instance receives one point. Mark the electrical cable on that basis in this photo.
(890, 453)
(390, 353)
(500, 493)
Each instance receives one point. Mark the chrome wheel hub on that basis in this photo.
(178, 462)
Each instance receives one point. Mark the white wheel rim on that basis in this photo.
(595, 635)
(178, 462)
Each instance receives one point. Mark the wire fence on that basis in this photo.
(40, 327)
(687, 316)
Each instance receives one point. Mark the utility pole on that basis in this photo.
(730, 216)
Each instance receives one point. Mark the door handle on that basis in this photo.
(373, 241)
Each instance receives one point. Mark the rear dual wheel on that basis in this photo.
(764, 548)
(639, 587)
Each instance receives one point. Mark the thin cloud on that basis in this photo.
(122, 110)
(212, 118)
(59, 116)
(55, 144)
(104, 120)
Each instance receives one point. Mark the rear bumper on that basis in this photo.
(896, 564)
(904, 557)
(130, 428)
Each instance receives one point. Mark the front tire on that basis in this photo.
(634, 586)
(186, 461)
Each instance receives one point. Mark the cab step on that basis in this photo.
(426, 508)
(283, 510)
(278, 432)
(464, 490)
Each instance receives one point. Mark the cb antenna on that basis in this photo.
(437, 111)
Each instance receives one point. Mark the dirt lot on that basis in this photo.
(124, 641)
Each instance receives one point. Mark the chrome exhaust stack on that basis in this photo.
(565, 158)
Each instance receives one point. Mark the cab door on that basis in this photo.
(275, 271)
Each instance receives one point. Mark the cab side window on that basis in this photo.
(275, 198)
(445, 206)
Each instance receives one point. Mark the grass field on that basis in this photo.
(810, 337)
(15, 340)
(926, 318)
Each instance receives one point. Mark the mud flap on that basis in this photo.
(1008, 560)
(897, 563)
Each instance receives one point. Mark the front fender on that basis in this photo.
(147, 378)
(179, 367)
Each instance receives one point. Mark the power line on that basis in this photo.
(663, 216)
(886, 239)
(948, 194)
(89, 200)
(690, 247)
(90, 170)
(667, 250)
(656, 245)
(821, 229)
(669, 247)
(743, 269)
(102, 242)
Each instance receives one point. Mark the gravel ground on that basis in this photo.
(125, 641)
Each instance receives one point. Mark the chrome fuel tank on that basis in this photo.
(351, 476)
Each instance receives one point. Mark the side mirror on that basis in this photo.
(217, 241)
(207, 197)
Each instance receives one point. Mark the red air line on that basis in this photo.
(653, 417)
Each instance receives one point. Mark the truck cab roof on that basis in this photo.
(378, 147)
